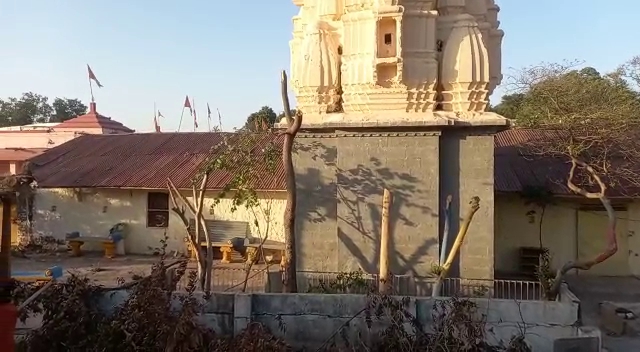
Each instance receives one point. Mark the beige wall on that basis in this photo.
(89, 217)
(35, 139)
(569, 234)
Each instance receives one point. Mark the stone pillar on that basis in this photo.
(467, 169)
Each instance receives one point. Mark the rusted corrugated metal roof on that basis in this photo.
(142, 161)
(147, 160)
(516, 168)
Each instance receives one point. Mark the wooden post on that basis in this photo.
(385, 281)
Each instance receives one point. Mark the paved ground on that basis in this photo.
(592, 291)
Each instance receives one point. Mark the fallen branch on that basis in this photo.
(612, 243)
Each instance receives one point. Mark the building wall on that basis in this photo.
(341, 177)
(569, 232)
(60, 211)
(466, 171)
(35, 139)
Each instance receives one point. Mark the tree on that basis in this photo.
(290, 283)
(65, 109)
(282, 115)
(261, 120)
(509, 106)
(35, 108)
(237, 156)
(592, 122)
(30, 108)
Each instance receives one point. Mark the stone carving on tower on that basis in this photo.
(364, 61)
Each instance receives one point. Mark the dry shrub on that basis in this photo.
(75, 318)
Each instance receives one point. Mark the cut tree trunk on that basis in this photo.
(445, 231)
(289, 271)
(474, 205)
(384, 279)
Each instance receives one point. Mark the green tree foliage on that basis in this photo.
(264, 119)
(35, 108)
(260, 120)
(65, 109)
(556, 95)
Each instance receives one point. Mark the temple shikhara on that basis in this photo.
(355, 61)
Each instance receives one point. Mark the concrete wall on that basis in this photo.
(309, 319)
(341, 177)
(60, 211)
(466, 170)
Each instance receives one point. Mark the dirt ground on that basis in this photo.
(106, 272)
(95, 266)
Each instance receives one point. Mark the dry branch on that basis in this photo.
(612, 244)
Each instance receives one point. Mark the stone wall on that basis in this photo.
(309, 319)
(341, 175)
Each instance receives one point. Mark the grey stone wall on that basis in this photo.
(467, 170)
(309, 319)
(341, 176)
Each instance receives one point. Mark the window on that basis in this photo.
(387, 39)
(157, 209)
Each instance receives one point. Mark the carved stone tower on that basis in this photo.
(394, 94)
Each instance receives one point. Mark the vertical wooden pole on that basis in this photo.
(385, 282)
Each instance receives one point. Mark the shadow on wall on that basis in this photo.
(352, 198)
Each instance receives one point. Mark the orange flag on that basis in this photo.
(92, 76)
(187, 104)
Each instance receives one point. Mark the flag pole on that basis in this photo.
(219, 120)
(195, 115)
(91, 90)
(181, 115)
(155, 117)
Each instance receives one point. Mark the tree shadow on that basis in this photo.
(347, 202)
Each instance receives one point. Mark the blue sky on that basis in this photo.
(230, 53)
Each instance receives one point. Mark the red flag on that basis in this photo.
(187, 104)
(92, 76)
(195, 115)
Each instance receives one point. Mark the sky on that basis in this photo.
(230, 54)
